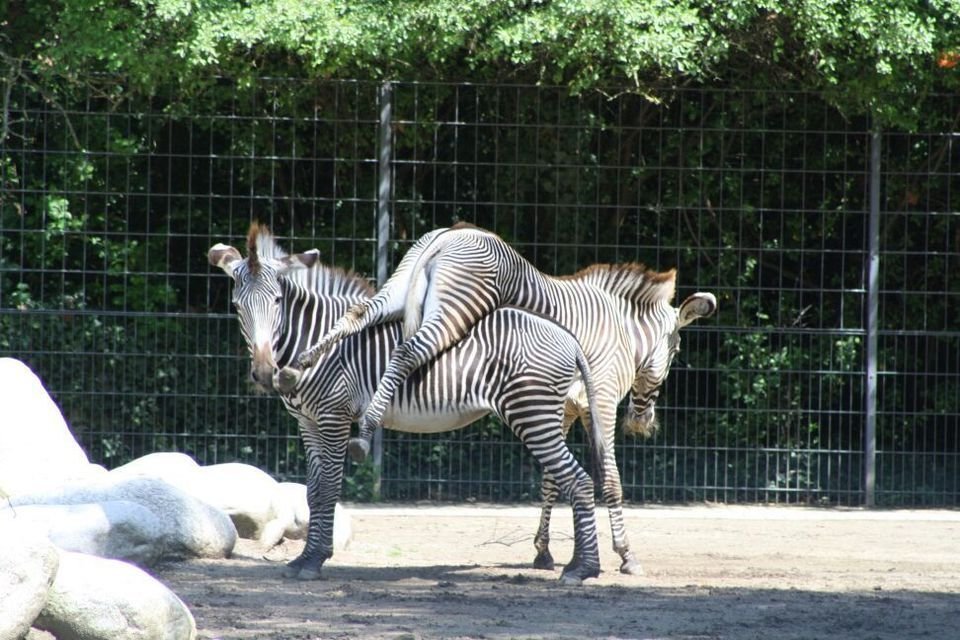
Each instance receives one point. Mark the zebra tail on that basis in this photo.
(598, 443)
(419, 281)
(413, 309)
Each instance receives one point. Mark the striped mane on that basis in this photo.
(321, 279)
(630, 280)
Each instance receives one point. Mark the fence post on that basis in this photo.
(872, 321)
(384, 195)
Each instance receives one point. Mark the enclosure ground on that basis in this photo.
(711, 572)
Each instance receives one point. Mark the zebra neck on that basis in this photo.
(307, 316)
(648, 322)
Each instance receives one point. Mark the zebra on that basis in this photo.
(513, 363)
(451, 278)
(639, 419)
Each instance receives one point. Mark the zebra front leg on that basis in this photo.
(612, 491)
(613, 497)
(356, 318)
(420, 348)
(353, 321)
(325, 446)
(386, 306)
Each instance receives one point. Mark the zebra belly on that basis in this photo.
(418, 421)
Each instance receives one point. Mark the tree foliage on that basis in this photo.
(877, 57)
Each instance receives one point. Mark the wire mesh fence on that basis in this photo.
(762, 198)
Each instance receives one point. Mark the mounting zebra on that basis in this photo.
(621, 314)
(513, 363)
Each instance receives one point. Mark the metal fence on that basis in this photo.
(831, 374)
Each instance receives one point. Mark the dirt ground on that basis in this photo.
(711, 572)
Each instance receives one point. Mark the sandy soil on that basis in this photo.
(712, 572)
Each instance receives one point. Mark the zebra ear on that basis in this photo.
(699, 305)
(300, 260)
(223, 256)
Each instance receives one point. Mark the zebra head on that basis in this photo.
(258, 295)
(652, 370)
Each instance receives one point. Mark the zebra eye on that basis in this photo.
(278, 299)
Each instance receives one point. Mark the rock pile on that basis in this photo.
(77, 541)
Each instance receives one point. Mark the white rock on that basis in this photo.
(295, 495)
(342, 527)
(28, 564)
(99, 599)
(250, 496)
(37, 450)
(189, 527)
(119, 529)
(178, 469)
(252, 499)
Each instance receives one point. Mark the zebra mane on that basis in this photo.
(321, 279)
(261, 245)
(630, 280)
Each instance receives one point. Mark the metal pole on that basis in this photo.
(872, 321)
(384, 195)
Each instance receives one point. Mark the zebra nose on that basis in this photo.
(262, 368)
(642, 424)
(262, 376)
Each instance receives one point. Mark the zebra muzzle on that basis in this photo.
(263, 367)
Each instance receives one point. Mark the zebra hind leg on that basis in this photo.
(575, 484)
(586, 553)
(548, 493)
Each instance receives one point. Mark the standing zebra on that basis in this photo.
(451, 278)
(515, 364)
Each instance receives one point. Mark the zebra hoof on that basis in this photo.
(571, 580)
(287, 380)
(544, 561)
(358, 448)
(292, 570)
(631, 567)
(309, 574)
(576, 572)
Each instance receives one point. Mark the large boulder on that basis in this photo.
(342, 527)
(178, 469)
(296, 495)
(37, 450)
(251, 497)
(96, 598)
(261, 508)
(28, 565)
(119, 529)
(189, 527)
